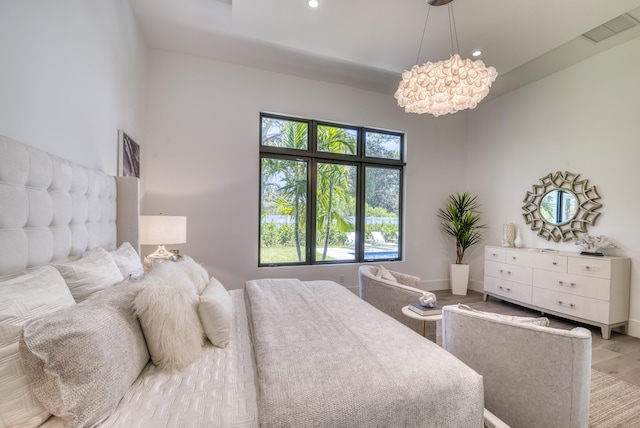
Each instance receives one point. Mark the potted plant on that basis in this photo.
(461, 220)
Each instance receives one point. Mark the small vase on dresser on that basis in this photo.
(518, 241)
(509, 234)
(592, 290)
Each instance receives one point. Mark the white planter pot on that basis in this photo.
(459, 279)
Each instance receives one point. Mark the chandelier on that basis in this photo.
(445, 86)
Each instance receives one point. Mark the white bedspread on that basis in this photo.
(217, 391)
(326, 358)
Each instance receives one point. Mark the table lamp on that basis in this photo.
(161, 230)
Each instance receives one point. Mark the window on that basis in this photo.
(329, 193)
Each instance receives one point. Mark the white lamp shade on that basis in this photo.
(163, 229)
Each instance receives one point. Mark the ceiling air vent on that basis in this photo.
(611, 28)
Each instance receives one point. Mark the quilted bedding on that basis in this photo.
(217, 391)
(326, 358)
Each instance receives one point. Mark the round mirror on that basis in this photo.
(561, 206)
(558, 206)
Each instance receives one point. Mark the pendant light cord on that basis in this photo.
(453, 33)
(424, 29)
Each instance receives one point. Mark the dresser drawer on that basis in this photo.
(538, 260)
(495, 254)
(587, 286)
(507, 272)
(569, 304)
(590, 266)
(508, 289)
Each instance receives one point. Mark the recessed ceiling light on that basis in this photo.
(313, 3)
(476, 53)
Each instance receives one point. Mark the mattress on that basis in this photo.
(218, 390)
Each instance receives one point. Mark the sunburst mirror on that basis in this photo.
(561, 207)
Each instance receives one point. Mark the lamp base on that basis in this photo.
(162, 253)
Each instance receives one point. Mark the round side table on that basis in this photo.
(424, 318)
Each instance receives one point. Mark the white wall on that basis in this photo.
(201, 159)
(72, 73)
(584, 119)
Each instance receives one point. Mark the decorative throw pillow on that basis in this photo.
(197, 273)
(94, 272)
(167, 307)
(81, 360)
(384, 273)
(21, 299)
(542, 321)
(128, 261)
(216, 313)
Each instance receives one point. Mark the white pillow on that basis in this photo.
(197, 273)
(128, 261)
(542, 321)
(21, 299)
(94, 272)
(216, 313)
(384, 273)
(167, 307)
(81, 360)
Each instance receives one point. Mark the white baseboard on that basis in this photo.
(444, 284)
(476, 285)
(435, 284)
(634, 328)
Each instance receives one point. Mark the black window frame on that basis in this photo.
(312, 156)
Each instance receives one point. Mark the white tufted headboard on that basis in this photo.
(52, 209)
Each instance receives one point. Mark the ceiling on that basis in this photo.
(368, 43)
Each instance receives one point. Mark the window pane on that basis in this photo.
(333, 139)
(386, 146)
(382, 208)
(335, 212)
(284, 133)
(283, 205)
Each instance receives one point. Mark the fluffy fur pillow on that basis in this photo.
(542, 321)
(216, 313)
(197, 273)
(167, 307)
(94, 272)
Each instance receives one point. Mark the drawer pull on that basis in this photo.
(501, 288)
(494, 254)
(508, 272)
(554, 263)
(587, 267)
(571, 284)
(513, 257)
(571, 305)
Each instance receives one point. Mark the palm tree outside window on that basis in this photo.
(326, 189)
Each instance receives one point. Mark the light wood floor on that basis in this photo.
(618, 357)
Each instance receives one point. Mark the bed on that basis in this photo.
(296, 353)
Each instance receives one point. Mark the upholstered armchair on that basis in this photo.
(390, 295)
(533, 375)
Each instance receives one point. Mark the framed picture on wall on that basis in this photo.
(128, 156)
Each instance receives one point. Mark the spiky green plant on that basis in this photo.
(461, 220)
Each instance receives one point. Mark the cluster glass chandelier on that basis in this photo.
(444, 86)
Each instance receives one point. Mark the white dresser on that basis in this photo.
(590, 289)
